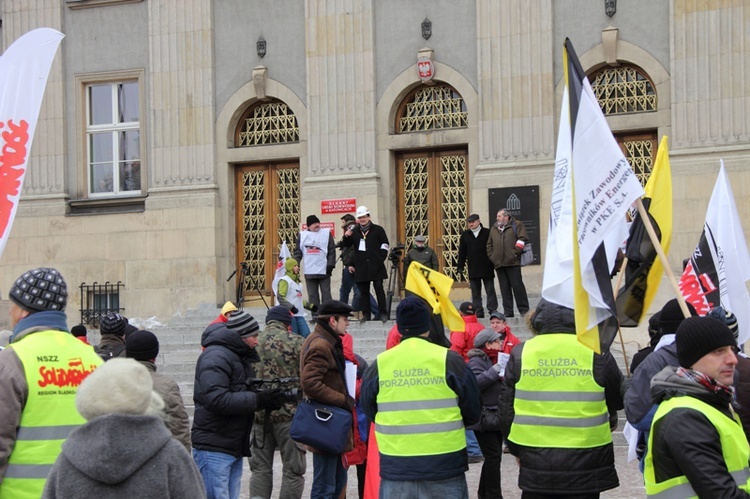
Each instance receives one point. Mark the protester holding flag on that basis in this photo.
(504, 247)
(558, 408)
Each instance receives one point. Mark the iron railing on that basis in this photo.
(98, 300)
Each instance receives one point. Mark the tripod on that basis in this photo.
(394, 279)
(240, 296)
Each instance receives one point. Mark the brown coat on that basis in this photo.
(322, 366)
(501, 245)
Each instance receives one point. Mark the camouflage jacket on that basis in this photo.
(279, 352)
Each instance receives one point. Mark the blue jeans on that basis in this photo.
(329, 476)
(472, 446)
(455, 488)
(299, 326)
(221, 473)
(347, 285)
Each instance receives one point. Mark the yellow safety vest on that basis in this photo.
(558, 403)
(418, 413)
(54, 364)
(734, 447)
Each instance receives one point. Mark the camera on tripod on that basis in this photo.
(396, 252)
(288, 387)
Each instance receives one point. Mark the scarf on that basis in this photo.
(706, 381)
(41, 321)
(476, 231)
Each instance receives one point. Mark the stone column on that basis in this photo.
(516, 87)
(340, 86)
(181, 124)
(710, 64)
(45, 168)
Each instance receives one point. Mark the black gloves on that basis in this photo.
(294, 310)
(270, 399)
(329, 270)
(310, 306)
(349, 403)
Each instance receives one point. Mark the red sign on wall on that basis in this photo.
(347, 205)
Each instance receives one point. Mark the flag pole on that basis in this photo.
(662, 256)
(619, 329)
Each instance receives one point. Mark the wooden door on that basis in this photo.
(267, 213)
(432, 200)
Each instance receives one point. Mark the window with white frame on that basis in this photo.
(113, 138)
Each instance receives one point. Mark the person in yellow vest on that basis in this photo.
(40, 370)
(420, 396)
(697, 447)
(558, 409)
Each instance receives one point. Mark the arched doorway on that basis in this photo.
(432, 194)
(628, 90)
(266, 193)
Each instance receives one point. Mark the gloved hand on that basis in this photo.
(270, 399)
(329, 270)
(499, 370)
(349, 403)
(310, 306)
(294, 310)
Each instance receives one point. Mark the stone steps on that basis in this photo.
(180, 345)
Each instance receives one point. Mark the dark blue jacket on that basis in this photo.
(224, 404)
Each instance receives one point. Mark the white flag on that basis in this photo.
(720, 265)
(592, 190)
(24, 69)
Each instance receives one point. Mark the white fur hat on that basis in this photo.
(119, 385)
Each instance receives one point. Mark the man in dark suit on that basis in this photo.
(472, 249)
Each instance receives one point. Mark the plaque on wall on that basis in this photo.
(523, 203)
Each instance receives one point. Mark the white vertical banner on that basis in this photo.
(24, 69)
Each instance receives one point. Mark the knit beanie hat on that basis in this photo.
(243, 323)
(727, 318)
(698, 336)
(78, 330)
(413, 316)
(112, 324)
(279, 313)
(672, 316)
(40, 289)
(312, 219)
(118, 386)
(142, 345)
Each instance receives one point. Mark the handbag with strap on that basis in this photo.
(490, 420)
(324, 427)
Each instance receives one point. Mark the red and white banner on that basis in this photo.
(24, 69)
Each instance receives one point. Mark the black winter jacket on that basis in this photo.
(472, 251)
(685, 442)
(548, 470)
(224, 404)
(369, 265)
(639, 409)
(489, 382)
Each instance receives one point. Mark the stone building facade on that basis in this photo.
(179, 138)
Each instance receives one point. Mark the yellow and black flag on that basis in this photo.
(593, 187)
(644, 270)
(435, 288)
